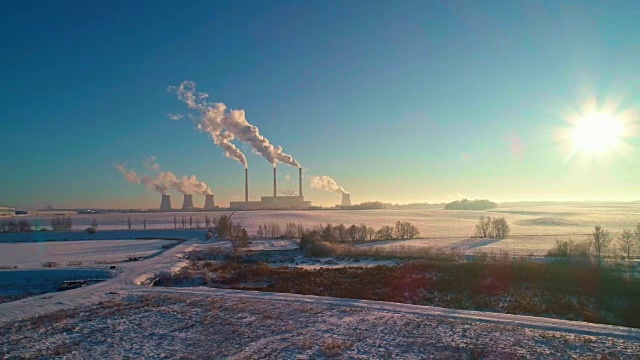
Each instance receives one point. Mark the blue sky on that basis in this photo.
(407, 101)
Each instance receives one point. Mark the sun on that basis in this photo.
(597, 132)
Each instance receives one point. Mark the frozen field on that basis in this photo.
(534, 228)
(80, 253)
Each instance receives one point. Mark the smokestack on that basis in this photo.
(188, 202)
(346, 199)
(246, 185)
(300, 181)
(274, 181)
(165, 205)
(208, 202)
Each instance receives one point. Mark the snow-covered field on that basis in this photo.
(118, 318)
(534, 228)
(189, 326)
(75, 253)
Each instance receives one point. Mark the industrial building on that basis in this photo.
(274, 202)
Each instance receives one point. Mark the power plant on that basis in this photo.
(275, 202)
(165, 205)
(346, 199)
(187, 204)
(208, 202)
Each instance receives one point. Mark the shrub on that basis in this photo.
(91, 230)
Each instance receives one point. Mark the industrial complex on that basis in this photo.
(275, 202)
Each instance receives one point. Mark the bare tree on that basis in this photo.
(385, 233)
(371, 233)
(207, 221)
(600, 239)
(94, 223)
(500, 228)
(144, 223)
(405, 230)
(24, 225)
(128, 223)
(175, 222)
(627, 242)
(483, 227)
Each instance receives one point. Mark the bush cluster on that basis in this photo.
(465, 204)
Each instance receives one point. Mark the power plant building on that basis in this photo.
(274, 202)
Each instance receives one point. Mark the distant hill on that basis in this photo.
(465, 204)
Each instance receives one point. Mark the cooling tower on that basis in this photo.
(188, 202)
(300, 182)
(208, 202)
(346, 199)
(274, 182)
(246, 185)
(165, 205)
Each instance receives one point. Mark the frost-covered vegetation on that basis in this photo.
(466, 204)
(574, 291)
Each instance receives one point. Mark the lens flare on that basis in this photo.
(597, 133)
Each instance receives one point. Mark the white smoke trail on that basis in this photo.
(162, 181)
(210, 119)
(154, 184)
(236, 122)
(188, 185)
(326, 183)
(215, 117)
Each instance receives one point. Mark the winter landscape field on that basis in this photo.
(191, 319)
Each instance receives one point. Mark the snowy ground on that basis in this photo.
(534, 228)
(119, 318)
(75, 253)
(191, 326)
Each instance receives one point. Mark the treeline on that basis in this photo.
(339, 233)
(465, 204)
(321, 240)
(58, 223)
(598, 245)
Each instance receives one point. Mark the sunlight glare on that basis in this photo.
(597, 133)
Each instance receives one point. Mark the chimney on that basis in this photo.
(274, 181)
(346, 199)
(300, 181)
(246, 185)
(188, 202)
(208, 202)
(165, 205)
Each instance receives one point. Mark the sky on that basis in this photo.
(398, 101)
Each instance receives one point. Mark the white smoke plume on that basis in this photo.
(155, 184)
(236, 122)
(215, 117)
(210, 119)
(162, 181)
(326, 183)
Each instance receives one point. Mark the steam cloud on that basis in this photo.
(226, 125)
(210, 119)
(326, 183)
(162, 181)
